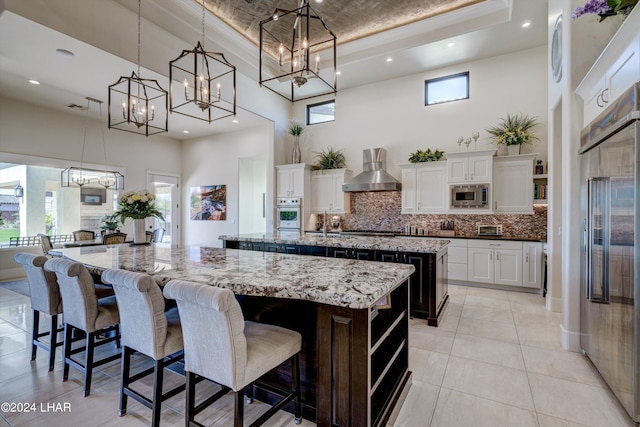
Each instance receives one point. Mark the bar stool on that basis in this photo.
(45, 298)
(147, 329)
(83, 310)
(221, 346)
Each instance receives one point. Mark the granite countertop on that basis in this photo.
(338, 282)
(383, 243)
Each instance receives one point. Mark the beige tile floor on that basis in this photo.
(496, 360)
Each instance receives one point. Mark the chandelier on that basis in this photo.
(133, 101)
(208, 81)
(297, 54)
(81, 176)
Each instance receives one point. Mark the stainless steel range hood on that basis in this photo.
(373, 176)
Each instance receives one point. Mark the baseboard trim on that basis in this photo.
(570, 339)
(554, 304)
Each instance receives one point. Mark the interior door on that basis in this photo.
(166, 189)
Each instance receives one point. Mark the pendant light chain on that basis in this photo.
(203, 25)
(139, 38)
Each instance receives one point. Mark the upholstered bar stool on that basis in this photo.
(146, 328)
(45, 298)
(83, 235)
(83, 310)
(220, 346)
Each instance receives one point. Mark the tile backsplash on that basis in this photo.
(381, 211)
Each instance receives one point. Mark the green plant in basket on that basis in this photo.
(514, 130)
(330, 159)
(421, 156)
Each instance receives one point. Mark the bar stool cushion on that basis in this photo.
(218, 335)
(82, 307)
(43, 285)
(145, 326)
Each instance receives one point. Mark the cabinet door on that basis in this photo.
(512, 186)
(508, 267)
(480, 267)
(283, 181)
(338, 198)
(532, 265)
(457, 169)
(480, 169)
(623, 73)
(296, 185)
(409, 190)
(442, 279)
(321, 192)
(431, 189)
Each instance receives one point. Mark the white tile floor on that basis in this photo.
(496, 360)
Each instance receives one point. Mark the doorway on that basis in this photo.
(165, 187)
(252, 188)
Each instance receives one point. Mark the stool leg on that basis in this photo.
(68, 338)
(53, 341)
(250, 393)
(158, 372)
(238, 417)
(190, 397)
(295, 378)
(34, 331)
(88, 362)
(124, 379)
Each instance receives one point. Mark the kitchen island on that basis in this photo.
(428, 283)
(354, 319)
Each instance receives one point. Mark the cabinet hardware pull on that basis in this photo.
(495, 244)
(491, 256)
(465, 177)
(605, 99)
(598, 99)
(526, 258)
(471, 177)
(495, 205)
(497, 256)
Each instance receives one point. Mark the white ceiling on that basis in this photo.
(103, 36)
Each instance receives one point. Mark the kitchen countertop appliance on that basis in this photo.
(470, 196)
(610, 279)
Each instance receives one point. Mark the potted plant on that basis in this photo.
(109, 224)
(513, 131)
(427, 155)
(330, 159)
(296, 129)
(137, 205)
(604, 8)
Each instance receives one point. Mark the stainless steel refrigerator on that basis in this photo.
(610, 309)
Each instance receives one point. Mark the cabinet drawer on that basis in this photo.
(495, 244)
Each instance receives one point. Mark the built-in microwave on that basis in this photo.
(470, 196)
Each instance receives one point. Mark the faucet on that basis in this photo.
(324, 227)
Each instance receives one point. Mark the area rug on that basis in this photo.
(19, 286)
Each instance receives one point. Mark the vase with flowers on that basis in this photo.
(137, 205)
(604, 8)
(109, 224)
(513, 131)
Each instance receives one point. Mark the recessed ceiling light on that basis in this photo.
(65, 52)
(389, 59)
(525, 24)
(451, 44)
(185, 131)
(234, 121)
(338, 72)
(34, 82)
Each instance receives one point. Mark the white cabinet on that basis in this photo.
(293, 180)
(615, 70)
(470, 166)
(424, 188)
(532, 264)
(457, 269)
(512, 183)
(326, 191)
(494, 261)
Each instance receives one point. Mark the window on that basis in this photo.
(321, 112)
(446, 89)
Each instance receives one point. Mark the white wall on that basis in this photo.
(214, 160)
(392, 114)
